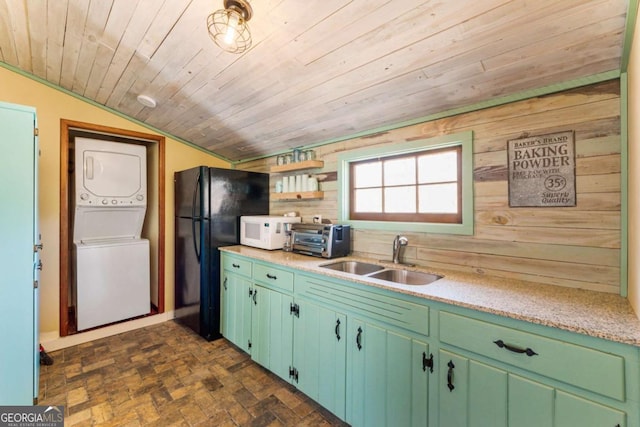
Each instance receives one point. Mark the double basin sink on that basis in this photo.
(374, 271)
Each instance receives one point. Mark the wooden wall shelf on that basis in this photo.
(307, 164)
(298, 195)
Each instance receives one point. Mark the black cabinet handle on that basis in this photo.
(359, 339)
(450, 375)
(270, 276)
(515, 349)
(427, 362)
(255, 296)
(338, 329)
(235, 265)
(225, 284)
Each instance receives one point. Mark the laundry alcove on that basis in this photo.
(153, 226)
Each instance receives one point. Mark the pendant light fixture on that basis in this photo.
(228, 27)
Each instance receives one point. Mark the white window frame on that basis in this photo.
(463, 139)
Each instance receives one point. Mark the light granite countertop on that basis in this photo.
(596, 314)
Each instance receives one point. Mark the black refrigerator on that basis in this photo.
(208, 206)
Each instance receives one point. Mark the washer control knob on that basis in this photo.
(114, 201)
(105, 201)
(139, 197)
(84, 196)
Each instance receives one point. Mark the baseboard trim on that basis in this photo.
(52, 341)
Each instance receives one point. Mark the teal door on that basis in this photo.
(320, 355)
(280, 333)
(388, 378)
(477, 395)
(260, 326)
(487, 395)
(272, 330)
(574, 411)
(530, 403)
(453, 389)
(236, 309)
(19, 258)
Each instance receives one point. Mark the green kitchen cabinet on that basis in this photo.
(388, 376)
(236, 310)
(319, 354)
(236, 301)
(272, 330)
(19, 256)
(256, 315)
(387, 356)
(272, 319)
(508, 391)
(475, 394)
(375, 357)
(575, 411)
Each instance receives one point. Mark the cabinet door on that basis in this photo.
(387, 383)
(19, 259)
(487, 395)
(260, 325)
(272, 330)
(280, 333)
(453, 388)
(574, 411)
(236, 309)
(471, 393)
(476, 395)
(319, 355)
(530, 403)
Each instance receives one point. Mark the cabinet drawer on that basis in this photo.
(413, 317)
(273, 277)
(583, 367)
(237, 265)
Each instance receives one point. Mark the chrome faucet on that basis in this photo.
(398, 242)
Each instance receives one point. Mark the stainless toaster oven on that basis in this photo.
(321, 240)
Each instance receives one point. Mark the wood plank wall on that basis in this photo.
(568, 246)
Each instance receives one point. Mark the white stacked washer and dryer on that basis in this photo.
(112, 270)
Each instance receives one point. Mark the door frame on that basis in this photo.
(65, 275)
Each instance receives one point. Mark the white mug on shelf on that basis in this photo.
(312, 183)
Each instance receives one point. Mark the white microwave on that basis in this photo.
(263, 231)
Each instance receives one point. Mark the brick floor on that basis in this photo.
(165, 375)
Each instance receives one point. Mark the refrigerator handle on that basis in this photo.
(195, 217)
(194, 197)
(193, 236)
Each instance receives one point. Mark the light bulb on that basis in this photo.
(232, 27)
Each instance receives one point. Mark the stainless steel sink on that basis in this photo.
(405, 277)
(353, 267)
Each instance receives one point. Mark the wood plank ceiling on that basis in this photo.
(317, 70)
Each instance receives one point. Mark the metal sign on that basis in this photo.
(542, 170)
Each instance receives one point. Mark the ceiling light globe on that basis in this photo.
(229, 30)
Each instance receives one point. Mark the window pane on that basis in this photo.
(438, 198)
(367, 175)
(400, 171)
(400, 199)
(438, 167)
(369, 200)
